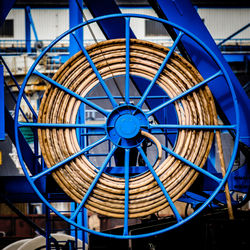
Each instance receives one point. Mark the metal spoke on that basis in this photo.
(192, 165)
(126, 200)
(171, 203)
(70, 158)
(72, 93)
(127, 34)
(59, 125)
(199, 127)
(144, 96)
(105, 87)
(92, 185)
(18, 87)
(219, 73)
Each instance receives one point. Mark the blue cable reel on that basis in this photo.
(148, 137)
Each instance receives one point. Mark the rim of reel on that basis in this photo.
(221, 72)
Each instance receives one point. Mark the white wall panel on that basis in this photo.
(138, 25)
(19, 24)
(222, 22)
(50, 23)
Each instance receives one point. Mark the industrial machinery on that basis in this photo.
(159, 121)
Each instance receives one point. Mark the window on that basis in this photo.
(153, 28)
(7, 29)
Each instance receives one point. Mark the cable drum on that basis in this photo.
(76, 176)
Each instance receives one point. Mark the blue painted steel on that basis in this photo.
(189, 163)
(236, 57)
(160, 184)
(127, 78)
(240, 179)
(117, 29)
(28, 155)
(82, 218)
(131, 96)
(180, 220)
(2, 119)
(118, 171)
(124, 124)
(60, 125)
(204, 127)
(61, 163)
(80, 131)
(75, 17)
(12, 94)
(127, 126)
(184, 14)
(126, 196)
(153, 82)
(18, 189)
(27, 32)
(27, 11)
(78, 234)
(18, 87)
(70, 92)
(196, 198)
(197, 86)
(92, 185)
(47, 228)
(234, 34)
(102, 82)
(112, 29)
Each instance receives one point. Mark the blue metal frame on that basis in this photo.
(222, 73)
(27, 32)
(28, 12)
(174, 11)
(75, 17)
(116, 29)
(2, 119)
(234, 34)
(29, 23)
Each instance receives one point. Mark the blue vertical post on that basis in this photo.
(48, 229)
(75, 17)
(27, 32)
(31, 22)
(2, 119)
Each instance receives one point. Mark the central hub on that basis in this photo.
(127, 126)
(124, 124)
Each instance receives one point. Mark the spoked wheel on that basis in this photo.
(138, 94)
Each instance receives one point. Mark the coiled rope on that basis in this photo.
(75, 177)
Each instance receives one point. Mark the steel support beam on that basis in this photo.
(2, 119)
(184, 14)
(27, 32)
(75, 17)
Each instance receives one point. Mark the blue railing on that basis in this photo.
(19, 45)
(234, 34)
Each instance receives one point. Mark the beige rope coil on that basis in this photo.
(75, 177)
